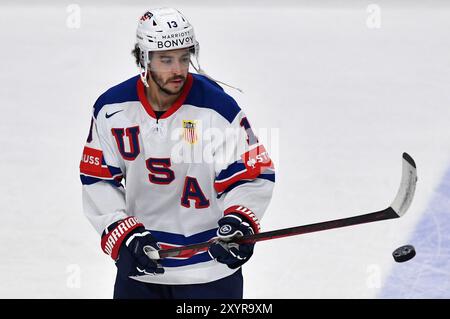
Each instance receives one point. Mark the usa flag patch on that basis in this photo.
(189, 131)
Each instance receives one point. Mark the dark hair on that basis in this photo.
(136, 52)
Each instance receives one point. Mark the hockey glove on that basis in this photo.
(129, 244)
(238, 221)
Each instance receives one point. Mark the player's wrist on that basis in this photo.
(246, 214)
(116, 233)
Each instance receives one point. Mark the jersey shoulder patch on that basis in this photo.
(206, 93)
(123, 92)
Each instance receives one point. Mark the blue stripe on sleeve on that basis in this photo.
(270, 176)
(232, 169)
(88, 180)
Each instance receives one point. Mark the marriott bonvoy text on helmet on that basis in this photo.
(168, 44)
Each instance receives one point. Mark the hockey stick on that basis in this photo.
(397, 209)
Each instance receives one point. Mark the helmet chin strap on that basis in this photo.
(143, 75)
(143, 66)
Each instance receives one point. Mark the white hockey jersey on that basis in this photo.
(176, 174)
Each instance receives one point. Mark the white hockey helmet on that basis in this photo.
(163, 29)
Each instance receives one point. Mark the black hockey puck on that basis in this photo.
(404, 253)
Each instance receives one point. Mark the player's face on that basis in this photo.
(169, 70)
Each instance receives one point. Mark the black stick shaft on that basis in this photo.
(388, 213)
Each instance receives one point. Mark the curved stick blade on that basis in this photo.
(407, 188)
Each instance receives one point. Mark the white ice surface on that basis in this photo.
(346, 101)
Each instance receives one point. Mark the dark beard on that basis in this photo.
(159, 83)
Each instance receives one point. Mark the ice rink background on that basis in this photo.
(340, 98)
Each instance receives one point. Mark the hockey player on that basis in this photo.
(171, 160)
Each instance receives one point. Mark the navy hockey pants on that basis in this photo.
(230, 287)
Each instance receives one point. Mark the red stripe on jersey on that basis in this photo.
(183, 254)
(223, 185)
